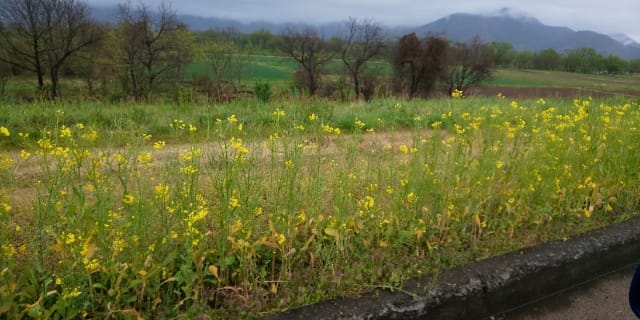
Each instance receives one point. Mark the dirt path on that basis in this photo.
(29, 172)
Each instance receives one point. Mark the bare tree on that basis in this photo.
(97, 64)
(418, 64)
(470, 63)
(228, 64)
(41, 35)
(22, 33)
(67, 31)
(307, 48)
(364, 41)
(5, 71)
(150, 47)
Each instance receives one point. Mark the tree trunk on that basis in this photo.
(39, 73)
(53, 74)
(356, 85)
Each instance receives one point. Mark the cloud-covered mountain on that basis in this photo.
(527, 33)
(625, 39)
(522, 30)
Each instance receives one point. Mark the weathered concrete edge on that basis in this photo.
(493, 285)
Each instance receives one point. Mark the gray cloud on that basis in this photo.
(614, 16)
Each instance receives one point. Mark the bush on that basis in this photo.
(263, 91)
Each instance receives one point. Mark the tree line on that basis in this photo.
(146, 52)
(581, 60)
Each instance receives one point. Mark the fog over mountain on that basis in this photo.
(525, 32)
(522, 30)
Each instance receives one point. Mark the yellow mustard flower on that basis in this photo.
(128, 198)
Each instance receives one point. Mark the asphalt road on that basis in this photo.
(604, 298)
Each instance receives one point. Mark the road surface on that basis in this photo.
(604, 298)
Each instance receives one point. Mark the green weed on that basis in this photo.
(246, 209)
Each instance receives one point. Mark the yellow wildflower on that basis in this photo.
(65, 132)
(281, 239)
(278, 113)
(189, 170)
(24, 154)
(412, 197)
(73, 294)
(144, 157)
(128, 198)
(159, 145)
(234, 203)
(5, 161)
(90, 136)
(302, 217)
(162, 192)
(4, 131)
(389, 190)
(236, 144)
(70, 238)
(91, 265)
(367, 203)
(7, 250)
(289, 164)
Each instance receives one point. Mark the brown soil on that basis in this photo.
(545, 92)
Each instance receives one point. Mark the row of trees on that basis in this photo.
(419, 65)
(148, 50)
(582, 60)
(40, 36)
(52, 37)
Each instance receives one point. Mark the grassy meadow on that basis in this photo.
(623, 84)
(245, 209)
(278, 71)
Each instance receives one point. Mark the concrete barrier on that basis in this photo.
(494, 285)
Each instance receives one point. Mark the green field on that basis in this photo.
(560, 79)
(258, 68)
(280, 70)
(244, 209)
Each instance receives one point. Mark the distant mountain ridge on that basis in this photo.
(527, 33)
(523, 31)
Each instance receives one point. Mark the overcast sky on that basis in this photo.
(608, 16)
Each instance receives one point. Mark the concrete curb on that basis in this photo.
(494, 285)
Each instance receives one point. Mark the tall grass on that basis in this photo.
(248, 209)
